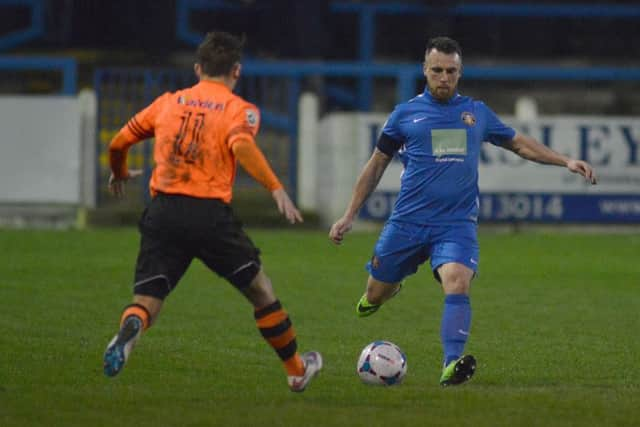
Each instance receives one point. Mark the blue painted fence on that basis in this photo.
(34, 29)
(67, 66)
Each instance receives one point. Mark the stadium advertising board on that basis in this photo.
(513, 189)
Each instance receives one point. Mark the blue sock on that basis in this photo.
(454, 331)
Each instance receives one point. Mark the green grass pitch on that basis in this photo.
(555, 331)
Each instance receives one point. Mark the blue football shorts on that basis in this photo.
(401, 248)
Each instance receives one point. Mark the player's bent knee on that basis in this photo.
(242, 276)
(455, 278)
(456, 288)
(456, 285)
(157, 286)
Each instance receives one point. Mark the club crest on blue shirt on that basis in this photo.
(468, 119)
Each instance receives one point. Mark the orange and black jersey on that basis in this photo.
(199, 132)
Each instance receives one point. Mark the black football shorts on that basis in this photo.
(175, 229)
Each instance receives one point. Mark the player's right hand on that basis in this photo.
(339, 229)
(116, 185)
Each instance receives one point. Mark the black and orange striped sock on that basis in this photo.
(275, 326)
(138, 311)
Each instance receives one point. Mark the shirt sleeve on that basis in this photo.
(245, 121)
(388, 145)
(142, 125)
(253, 161)
(496, 132)
(139, 128)
(391, 127)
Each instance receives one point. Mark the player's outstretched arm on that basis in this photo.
(253, 161)
(366, 183)
(530, 149)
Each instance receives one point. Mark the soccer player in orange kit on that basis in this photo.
(200, 133)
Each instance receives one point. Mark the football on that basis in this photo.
(382, 363)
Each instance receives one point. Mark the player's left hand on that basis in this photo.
(116, 185)
(584, 169)
(286, 206)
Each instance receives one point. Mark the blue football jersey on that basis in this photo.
(441, 148)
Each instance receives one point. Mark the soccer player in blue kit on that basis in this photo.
(436, 214)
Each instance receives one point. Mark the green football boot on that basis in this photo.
(364, 308)
(458, 371)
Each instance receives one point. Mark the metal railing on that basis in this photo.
(32, 31)
(67, 66)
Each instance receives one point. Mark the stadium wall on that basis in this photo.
(47, 159)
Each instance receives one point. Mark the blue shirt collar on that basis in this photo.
(430, 97)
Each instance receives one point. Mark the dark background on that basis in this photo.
(287, 29)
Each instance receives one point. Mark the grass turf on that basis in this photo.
(555, 327)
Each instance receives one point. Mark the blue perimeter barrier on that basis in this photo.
(67, 66)
(35, 28)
